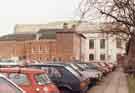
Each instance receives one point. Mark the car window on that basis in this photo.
(20, 79)
(53, 72)
(8, 87)
(42, 79)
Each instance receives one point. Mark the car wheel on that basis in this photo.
(64, 90)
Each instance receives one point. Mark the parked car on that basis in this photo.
(101, 64)
(91, 68)
(30, 80)
(65, 77)
(7, 86)
(102, 69)
(92, 75)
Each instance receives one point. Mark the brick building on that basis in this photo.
(46, 44)
(98, 46)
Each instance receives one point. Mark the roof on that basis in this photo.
(18, 37)
(48, 33)
(33, 28)
(83, 27)
(19, 69)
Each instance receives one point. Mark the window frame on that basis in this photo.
(102, 43)
(102, 57)
(92, 56)
(91, 43)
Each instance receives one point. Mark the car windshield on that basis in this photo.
(42, 79)
(73, 71)
(83, 66)
(77, 67)
(19, 78)
(8, 87)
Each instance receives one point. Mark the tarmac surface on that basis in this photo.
(114, 82)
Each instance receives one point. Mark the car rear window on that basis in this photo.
(42, 79)
(19, 78)
(8, 87)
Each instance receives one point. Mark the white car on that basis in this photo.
(93, 74)
(7, 86)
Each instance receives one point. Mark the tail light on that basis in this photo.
(83, 85)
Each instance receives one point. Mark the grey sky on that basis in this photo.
(34, 12)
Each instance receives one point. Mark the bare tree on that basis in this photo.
(121, 13)
(118, 12)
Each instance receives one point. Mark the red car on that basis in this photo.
(30, 80)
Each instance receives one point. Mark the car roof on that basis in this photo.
(23, 70)
(48, 64)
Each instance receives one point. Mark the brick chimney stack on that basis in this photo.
(73, 28)
(65, 26)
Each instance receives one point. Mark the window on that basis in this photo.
(34, 50)
(8, 87)
(91, 56)
(102, 57)
(19, 79)
(91, 44)
(118, 43)
(102, 43)
(42, 79)
(52, 72)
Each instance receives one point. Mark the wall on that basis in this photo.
(110, 47)
(11, 49)
(41, 49)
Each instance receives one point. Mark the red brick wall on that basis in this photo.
(11, 49)
(64, 43)
(66, 46)
(40, 49)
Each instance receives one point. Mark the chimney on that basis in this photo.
(65, 26)
(73, 28)
(38, 35)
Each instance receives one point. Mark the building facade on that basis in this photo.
(102, 47)
(45, 45)
(58, 42)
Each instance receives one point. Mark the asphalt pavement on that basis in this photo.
(115, 82)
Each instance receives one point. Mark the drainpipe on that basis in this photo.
(80, 49)
(107, 47)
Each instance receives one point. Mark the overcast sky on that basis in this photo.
(34, 11)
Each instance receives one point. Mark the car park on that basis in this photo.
(101, 64)
(30, 80)
(92, 75)
(65, 77)
(7, 86)
(91, 68)
(102, 69)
